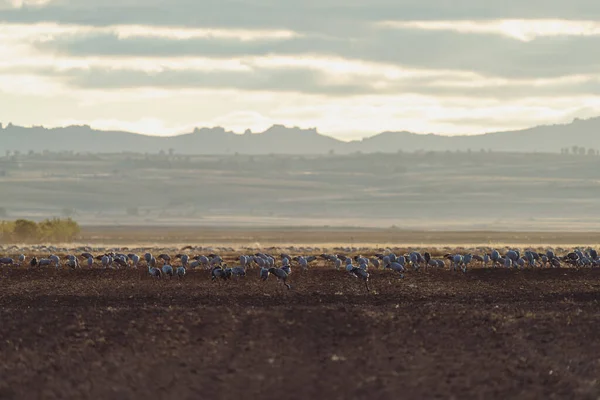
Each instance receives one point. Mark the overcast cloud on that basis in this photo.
(349, 68)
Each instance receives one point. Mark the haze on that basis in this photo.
(350, 69)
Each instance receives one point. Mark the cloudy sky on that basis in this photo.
(351, 68)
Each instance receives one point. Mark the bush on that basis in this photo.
(25, 231)
(59, 230)
(6, 230)
(50, 230)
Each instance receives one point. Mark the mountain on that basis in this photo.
(547, 138)
(282, 140)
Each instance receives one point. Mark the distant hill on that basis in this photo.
(282, 140)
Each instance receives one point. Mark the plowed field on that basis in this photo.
(106, 334)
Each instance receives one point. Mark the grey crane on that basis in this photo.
(167, 270)
(358, 273)
(165, 257)
(281, 276)
(154, 272)
(6, 261)
(55, 260)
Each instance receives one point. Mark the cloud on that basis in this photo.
(520, 29)
(484, 49)
(4, 4)
(324, 16)
(349, 67)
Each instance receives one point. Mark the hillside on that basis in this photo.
(282, 140)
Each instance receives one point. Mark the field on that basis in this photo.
(418, 191)
(490, 333)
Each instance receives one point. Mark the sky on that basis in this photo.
(349, 68)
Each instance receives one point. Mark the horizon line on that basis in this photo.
(249, 131)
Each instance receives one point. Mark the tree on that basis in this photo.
(59, 230)
(575, 150)
(25, 230)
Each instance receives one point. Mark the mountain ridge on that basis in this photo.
(279, 139)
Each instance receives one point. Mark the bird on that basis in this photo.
(358, 273)
(302, 262)
(165, 257)
(55, 260)
(495, 256)
(184, 260)
(106, 261)
(135, 260)
(375, 262)
(396, 267)
(287, 268)
(219, 272)
(72, 261)
(154, 272)
(148, 257)
(427, 257)
(215, 260)
(121, 261)
(238, 271)
(167, 270)
(33, 262)
(180, 271)
(202, 260)
(6, 261)
(457, 261)
(43, 262)
(281, 275)
(264, 273)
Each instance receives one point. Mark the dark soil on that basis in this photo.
(120, 334)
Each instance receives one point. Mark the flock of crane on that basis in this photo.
(357, 266)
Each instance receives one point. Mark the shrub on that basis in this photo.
(58, 230)
(49, 230)
(6, 230)
(25, 231)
